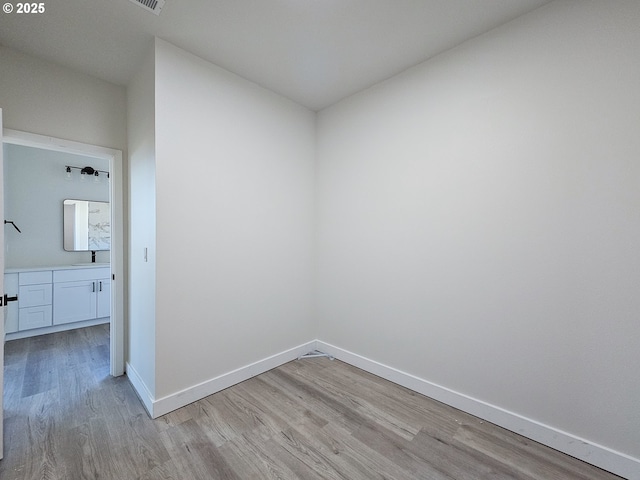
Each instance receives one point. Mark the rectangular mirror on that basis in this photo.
(86, 226)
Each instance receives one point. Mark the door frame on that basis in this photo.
(17, 137)
(2, 309)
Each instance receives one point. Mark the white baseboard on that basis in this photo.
(590, 452)
(189, 395)
(140, 388)
(603, 457)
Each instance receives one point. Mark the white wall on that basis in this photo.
(141, 356)
(44, 98)
(234, 179)
(479, 220)
(35, 187)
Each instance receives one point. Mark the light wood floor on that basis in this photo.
(66, 418)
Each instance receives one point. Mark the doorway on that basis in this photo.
(111, 162)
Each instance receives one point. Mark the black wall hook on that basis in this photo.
(14, 225)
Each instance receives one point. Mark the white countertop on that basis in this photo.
(56, 267)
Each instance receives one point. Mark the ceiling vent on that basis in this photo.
(154, 6)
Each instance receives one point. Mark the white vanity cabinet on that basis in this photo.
(56, 298)
(82, 294)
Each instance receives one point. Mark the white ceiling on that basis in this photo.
(312, 51)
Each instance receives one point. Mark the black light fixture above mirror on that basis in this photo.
(84, 172)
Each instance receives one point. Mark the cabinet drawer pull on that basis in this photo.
(93, 286)
(100, 285)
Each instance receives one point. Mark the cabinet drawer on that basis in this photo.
(32, 278)
(34, 295)
(81, 274)
(34, 317)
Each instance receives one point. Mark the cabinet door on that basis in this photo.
(74, 301)
(104, 298)
(11, 289)
(11, 318)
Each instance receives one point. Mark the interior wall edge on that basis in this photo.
(590, 452)
(141, 389)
